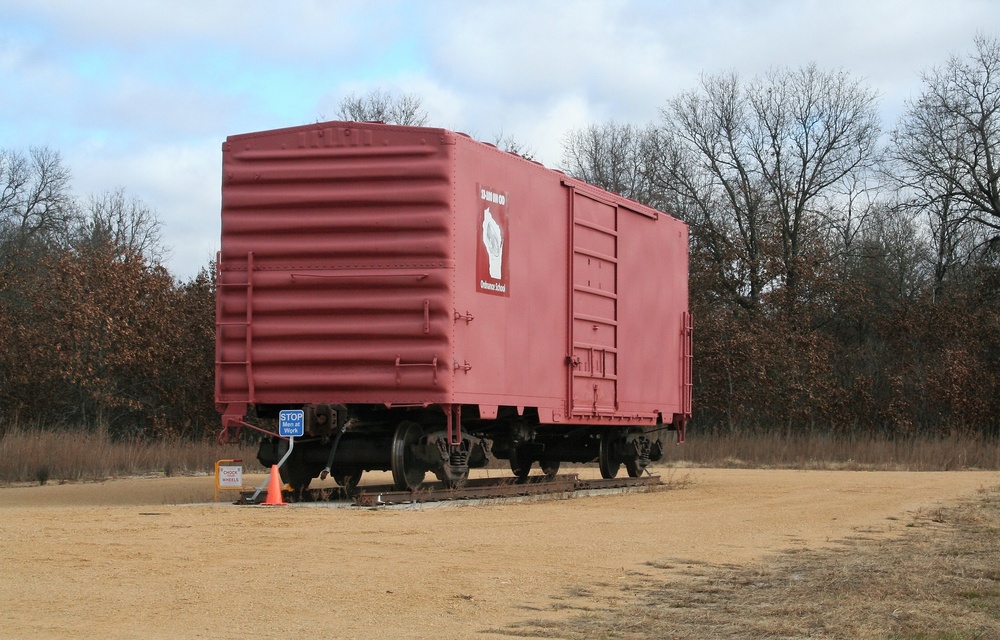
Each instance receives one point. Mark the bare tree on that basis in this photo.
(611, 155)
(126, 225)
(856, 206)
(35, 203)
(952, 236)
(509, 144)
(891, 256)
(947, 145)
(757, 168)
(952, 132)
(379, 105)
(407, 109)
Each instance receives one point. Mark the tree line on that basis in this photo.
(94, 331)
(844, 277)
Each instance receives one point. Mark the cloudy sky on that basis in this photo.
(140, 94)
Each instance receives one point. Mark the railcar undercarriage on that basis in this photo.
(344, 442)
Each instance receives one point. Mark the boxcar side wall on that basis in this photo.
(511, 264)
(580, 311)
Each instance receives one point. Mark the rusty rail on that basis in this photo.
(500, 488)
(477, 489)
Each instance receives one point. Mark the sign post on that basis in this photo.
(291, 425)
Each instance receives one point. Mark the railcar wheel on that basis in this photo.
(550, 468)
(407, 472)
(296, 475)
(349, 479)
(638, 453)
(634, 468)
(520, 464)
(606, 458)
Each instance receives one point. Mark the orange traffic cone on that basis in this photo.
(274, 488)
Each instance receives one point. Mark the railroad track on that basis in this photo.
(478, 489)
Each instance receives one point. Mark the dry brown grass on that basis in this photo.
(938, 581)
(801, 450)
(59, 455)
(31, 454)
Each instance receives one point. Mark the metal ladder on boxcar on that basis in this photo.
(687, 373)
(247, 323)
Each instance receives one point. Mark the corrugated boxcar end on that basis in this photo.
(432, 302)
(335, 266)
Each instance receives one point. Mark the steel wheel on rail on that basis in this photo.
(549, 467)
(607, 459)
(634, 467)
(297, 475)
(407, 472)
(520, 464)
(638, 454)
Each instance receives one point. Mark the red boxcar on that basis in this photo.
(431, 302)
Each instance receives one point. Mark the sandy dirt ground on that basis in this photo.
(154, 558)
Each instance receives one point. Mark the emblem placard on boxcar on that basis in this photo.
(493, 243)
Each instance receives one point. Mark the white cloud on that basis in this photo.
(141, 95)
(559, 117)
(287, 30)
(181, 182)
(594, 47)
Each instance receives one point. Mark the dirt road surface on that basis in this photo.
(153, 558)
